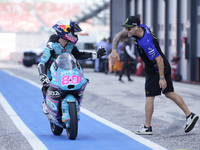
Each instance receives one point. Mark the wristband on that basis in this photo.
(162, 77)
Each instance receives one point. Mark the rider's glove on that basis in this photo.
(44, 80)
(100, 52)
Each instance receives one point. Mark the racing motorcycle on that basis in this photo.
(64, 95)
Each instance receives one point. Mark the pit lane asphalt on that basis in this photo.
(122, 104)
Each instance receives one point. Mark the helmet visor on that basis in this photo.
(71, 37)
(76, 28)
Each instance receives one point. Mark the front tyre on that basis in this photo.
(56, 130)
(72, 131)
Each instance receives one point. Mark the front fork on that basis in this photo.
(70, 98)
(65, 108)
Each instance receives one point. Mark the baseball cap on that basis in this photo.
(131, 21)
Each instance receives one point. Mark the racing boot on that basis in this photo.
(44, 107)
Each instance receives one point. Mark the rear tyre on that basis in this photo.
(56, 130)
(72, 131)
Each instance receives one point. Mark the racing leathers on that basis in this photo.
(52, 50)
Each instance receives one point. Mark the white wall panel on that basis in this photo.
(183, 62)
(139, 7)
(148, 7)
(198, 29)
(132, 8)
(161, 24)
(172, 28)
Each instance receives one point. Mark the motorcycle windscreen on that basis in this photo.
(66, 61)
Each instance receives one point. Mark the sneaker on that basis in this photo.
(144, 130)
(190, 122)
(44, 107)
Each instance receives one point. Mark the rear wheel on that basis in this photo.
(72, 131)
(56, 130)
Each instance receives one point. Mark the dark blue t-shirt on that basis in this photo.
(146, 43)
(148, 49)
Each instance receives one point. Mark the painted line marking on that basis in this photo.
(123, 130)
(28, 134)
(132, 135)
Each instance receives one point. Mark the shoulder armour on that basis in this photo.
(53, 38)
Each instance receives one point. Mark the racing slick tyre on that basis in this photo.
(72, 131)
(56, 130)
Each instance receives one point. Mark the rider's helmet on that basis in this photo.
(66, 29)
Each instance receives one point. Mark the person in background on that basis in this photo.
(118, 65)
(109, 46)
(98, 61)
(104, 59)
(158, 72)
(126, 56)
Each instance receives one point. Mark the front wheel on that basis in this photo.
(56, 130)
(72, 131)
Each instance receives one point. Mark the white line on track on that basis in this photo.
(37, 144)
(132, 135)
(28, 134)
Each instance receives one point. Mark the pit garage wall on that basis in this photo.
(198, 37)
(170, 20)
(192, 39)
(118, 16)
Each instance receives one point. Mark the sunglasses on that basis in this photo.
(128, 29)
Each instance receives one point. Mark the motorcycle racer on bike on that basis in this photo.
(64, 41)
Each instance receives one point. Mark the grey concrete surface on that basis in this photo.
(10, 137)
(123, 104)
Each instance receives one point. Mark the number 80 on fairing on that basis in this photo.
(74, 79)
